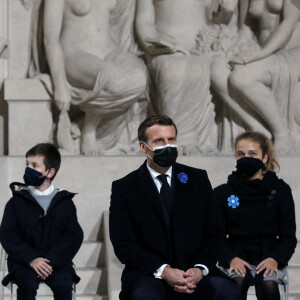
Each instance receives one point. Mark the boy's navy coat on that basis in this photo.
(140, 236)
(27, 233)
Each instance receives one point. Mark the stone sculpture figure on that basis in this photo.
(269, 81)
(89, 68)
(167, 31)
(222, 40)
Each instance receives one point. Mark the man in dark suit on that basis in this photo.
(163, 225)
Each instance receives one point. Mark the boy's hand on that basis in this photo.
(41, 266)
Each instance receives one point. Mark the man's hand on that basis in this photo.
(268, 264)
(41, 267)
(193, 276)
(174, 277)
(239, 266)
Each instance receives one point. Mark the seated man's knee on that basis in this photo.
(147, 294)
(148, 288)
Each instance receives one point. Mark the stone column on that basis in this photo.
(4, 53)
(29, 114)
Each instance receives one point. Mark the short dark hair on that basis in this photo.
(154, 120)
(52, 158)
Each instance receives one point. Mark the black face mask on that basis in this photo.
(164, 156)
(249, 165)
(33, 177)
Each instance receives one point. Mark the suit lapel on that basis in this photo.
(148, 188)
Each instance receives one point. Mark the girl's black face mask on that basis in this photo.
(249, 165)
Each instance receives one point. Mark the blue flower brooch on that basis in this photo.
(233, 201)
(182, 177)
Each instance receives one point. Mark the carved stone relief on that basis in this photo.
(215, 67)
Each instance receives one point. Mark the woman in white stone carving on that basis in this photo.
(89, 69)
(269, 80)
(167, 31)
(224, 39)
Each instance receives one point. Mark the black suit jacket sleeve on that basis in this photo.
(208, 253)
(123, 238)
(287, 224)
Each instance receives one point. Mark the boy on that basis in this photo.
(39, 229)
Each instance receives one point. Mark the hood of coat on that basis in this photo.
(21, 190)
(243, 186)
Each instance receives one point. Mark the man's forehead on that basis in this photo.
(164, 130)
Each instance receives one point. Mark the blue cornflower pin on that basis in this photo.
(182, 177)
(233, 201)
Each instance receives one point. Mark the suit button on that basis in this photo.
(271, 197)
(273, 192)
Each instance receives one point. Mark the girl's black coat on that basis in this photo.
(263, 225)
(27, 233)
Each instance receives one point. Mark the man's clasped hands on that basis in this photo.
(180, 281)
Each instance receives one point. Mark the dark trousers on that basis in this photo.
(60, 282)
(209, 288)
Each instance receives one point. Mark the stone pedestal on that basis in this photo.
(29, 114)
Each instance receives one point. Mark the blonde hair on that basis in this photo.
(265, 146)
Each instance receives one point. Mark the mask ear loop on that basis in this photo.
(45, 175)
(150, 149)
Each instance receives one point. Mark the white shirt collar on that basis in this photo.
(36, 192)
(154, 173)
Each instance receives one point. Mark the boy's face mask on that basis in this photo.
(33, 177)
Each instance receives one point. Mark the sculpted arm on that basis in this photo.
(285, 29)
(144, 23)
(224, 15)
(53, 18)
(243, 9)
(280, 37)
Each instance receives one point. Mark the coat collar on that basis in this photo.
(20, 189)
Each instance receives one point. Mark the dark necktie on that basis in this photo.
(166, 196)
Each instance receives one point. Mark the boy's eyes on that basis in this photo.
(34, 165)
